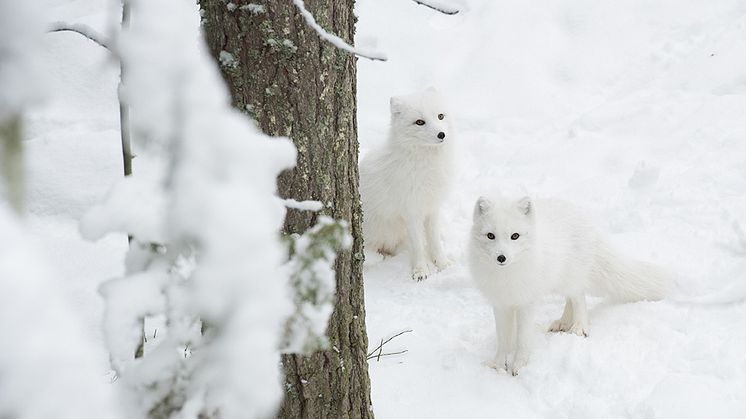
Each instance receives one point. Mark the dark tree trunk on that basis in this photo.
(297, 86)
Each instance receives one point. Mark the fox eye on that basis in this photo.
(490, 236)
(441, 116)
(515, 236)
(419, 122)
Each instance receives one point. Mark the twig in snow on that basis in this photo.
(377, 353)
(84, 30)
(437, 6)
(334, 39)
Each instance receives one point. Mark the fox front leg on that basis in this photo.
(417, 248)
(524, 338)
(505, 333)
(435, 246)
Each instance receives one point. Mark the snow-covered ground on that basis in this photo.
(636, 111)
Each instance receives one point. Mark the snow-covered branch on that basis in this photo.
(438, 6)
(312, 277)
(83, 30)
(334, 39)
(303, 205)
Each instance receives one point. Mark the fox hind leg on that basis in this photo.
(564, 323)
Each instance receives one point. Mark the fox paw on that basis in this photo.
(520, 361)
(419, 274)
(559, 326)
(442, 263)
(579, 330)
(499, 363)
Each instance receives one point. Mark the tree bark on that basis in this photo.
(295, 85)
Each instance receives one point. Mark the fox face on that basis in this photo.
(420, 119)
(503, 230)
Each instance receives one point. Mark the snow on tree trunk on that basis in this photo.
(296, 85)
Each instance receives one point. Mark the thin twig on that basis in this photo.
(84, 30)
(378, 356)
(379, 348)
(438, 7)
(334, 39)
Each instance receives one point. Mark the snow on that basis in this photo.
(303, 205)
(47, 361)
(20, 27)
(313, 283)
(206, 254)
(227, 59)
(634, 111)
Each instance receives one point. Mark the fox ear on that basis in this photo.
(397, 105)
(483, 205)
(526, 205)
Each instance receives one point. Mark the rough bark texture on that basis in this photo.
(295, 85)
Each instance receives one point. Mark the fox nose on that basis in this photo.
(441, 135)
(501, 258)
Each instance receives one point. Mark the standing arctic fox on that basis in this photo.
(520, 251)
(404, 183)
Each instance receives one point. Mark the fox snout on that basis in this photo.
(502, 260)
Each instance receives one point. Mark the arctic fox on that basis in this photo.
(522, 250)
(404, 183)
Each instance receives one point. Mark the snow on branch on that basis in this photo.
(313, 281)
(303, 205)
(438, 6)
(334, 39)
(84, 30)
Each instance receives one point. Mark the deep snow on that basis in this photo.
(634, 111)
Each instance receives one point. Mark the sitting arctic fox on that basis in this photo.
(404, 183)
(522, 250)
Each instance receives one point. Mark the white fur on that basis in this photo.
(557, 252)
(404, 183)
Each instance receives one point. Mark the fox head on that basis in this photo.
(503, 230)
(420, 119)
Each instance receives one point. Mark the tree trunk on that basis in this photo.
(295, 85)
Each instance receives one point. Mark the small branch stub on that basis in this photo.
(437, 6)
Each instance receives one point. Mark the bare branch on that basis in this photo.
(437, 6)
(379, 348)
(334, 39)
(378, 356)
(84, 30)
